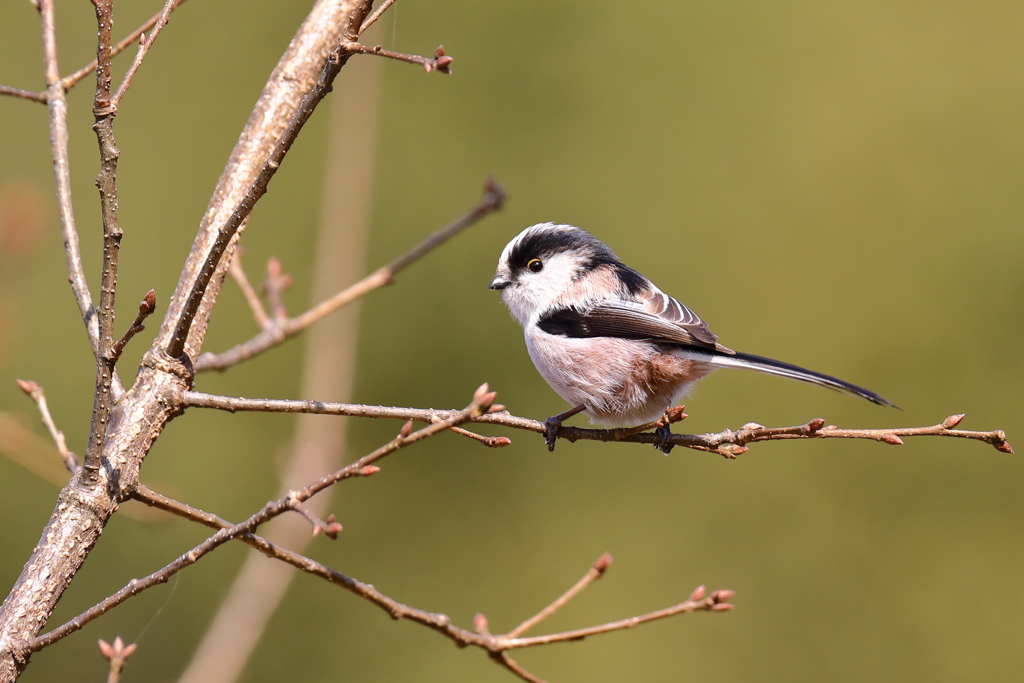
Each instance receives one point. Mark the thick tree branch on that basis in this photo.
(726, 443)
(302, 79)
(277, 331)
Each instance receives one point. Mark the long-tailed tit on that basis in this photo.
(608, 341)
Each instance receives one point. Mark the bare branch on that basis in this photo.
(145, 42)
(58, 112)
(146, 308)
(279, 331)
(288, 100)
(377, 13)
(595, 572)
(275, 284)
(726, 443)
(237, 272)
(496, 645)
(23, 94)
(69, 81)
(36, 393)
(106, 181)
(440, 61)
(482, 402)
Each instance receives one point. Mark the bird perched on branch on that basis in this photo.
(607, 340)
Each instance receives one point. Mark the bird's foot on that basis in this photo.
(664, 429)
(554, 423)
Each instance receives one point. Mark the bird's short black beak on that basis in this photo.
(498, 283)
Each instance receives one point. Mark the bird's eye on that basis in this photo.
(535, 265)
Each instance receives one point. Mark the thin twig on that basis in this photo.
(482, 402)
(595, 572)
(237, 272)
(280, 330)
(36, 393)
(69, 81)
(726, 443)
(57, 105)
(275, 284)
(496, 645)
(512, 665)
(439, 62)
(23, 94)
(370, 20)
(145, 42)
(146, 308)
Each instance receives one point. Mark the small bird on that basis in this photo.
(607, 340)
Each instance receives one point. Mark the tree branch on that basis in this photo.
(496, 645)
(35, 392)
(726, 443)
(302, 79)
(69, 81)
(104, 109)
(482, 402)
(58, 113)
(440, 61)
(277, 331)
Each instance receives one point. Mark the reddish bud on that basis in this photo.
(368, 470)
(830, 427)
(893, 439)
(118, 651)
(480, 624)
(496, 408)
(148, 303)
(812, 426)
(722, 596)
(721, 607)
(428, 67)
(27, 385)
(1004, 447)
(499, 441)
(332, 528)
(751, 425)
(697, 594)
(406, 429)
(952, 421)
(439, 52)
(601, 565)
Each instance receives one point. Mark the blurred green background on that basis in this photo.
(837, 185)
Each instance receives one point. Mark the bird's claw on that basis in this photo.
(551, 427)
(663, 433)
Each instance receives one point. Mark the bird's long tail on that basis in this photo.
(748, 361)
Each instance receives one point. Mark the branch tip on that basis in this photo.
(602, 563)
(1004, 447)
(28, 386)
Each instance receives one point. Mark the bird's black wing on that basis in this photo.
(655, 317)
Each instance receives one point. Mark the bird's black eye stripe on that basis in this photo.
(535, 265)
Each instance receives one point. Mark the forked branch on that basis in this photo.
(277, 330)
(727, 443)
